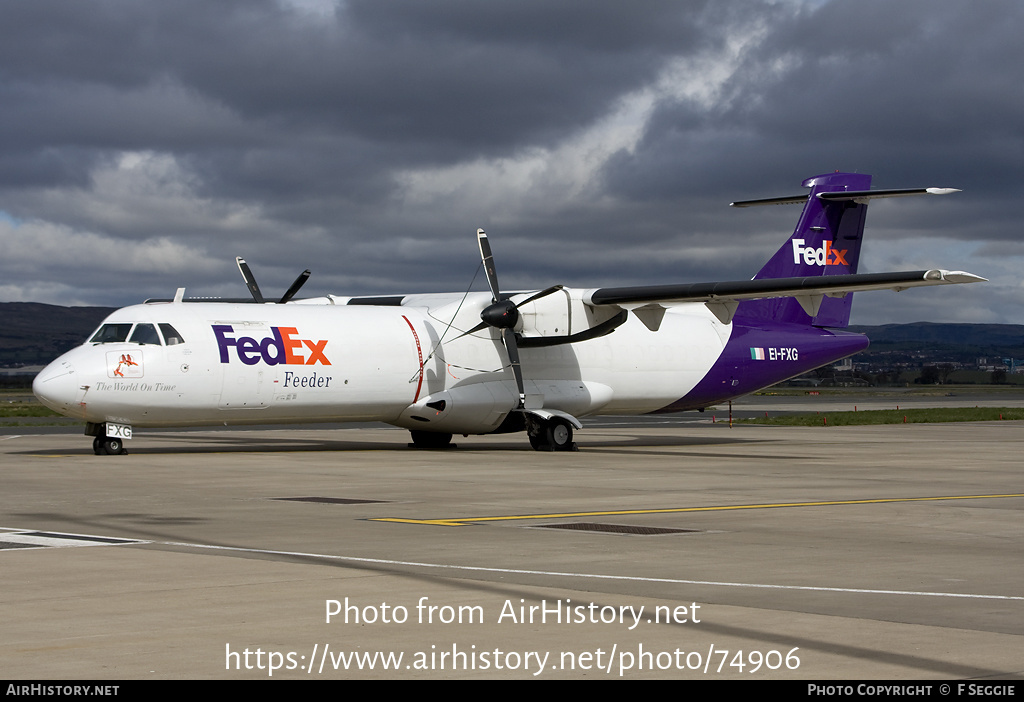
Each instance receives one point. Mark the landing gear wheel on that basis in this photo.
(110, 447)
(430, 439)
(554, 435)
(561, 434)
(97, 446)
(537, 440)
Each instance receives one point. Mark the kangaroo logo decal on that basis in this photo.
(124, 365)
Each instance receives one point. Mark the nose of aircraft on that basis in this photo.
(57, 386)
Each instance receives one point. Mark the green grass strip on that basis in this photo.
(19, 409)
(910, 416)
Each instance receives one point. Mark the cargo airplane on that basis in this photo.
(489, 362)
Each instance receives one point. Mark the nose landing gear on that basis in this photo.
(105, 446)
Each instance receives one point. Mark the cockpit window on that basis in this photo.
(109, 333)
(145, 334)
(171, 335)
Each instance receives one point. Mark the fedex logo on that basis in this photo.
(281, 347)
(825, 256)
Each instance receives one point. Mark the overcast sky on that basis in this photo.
(145, 144)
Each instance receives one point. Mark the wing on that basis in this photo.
(722, 298)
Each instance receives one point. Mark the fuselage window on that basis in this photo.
(145, 334)
(171, 335)
(110, 333)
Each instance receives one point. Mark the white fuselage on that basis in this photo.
(319, 361)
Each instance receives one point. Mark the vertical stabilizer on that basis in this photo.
(826, 241)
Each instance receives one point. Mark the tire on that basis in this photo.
(113, 447)
(559, 434)
(430, 439)
(553, 435)
(97, 446)
(538, 442)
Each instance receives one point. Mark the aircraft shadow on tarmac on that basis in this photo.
(182, 443)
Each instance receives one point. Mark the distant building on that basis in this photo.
(844, 365)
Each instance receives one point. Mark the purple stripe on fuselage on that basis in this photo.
(760, 354)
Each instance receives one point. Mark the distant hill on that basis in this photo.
(958, 339)
(32, 333)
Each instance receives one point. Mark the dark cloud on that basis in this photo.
(480, 77)
(599, 142)
(925, 88)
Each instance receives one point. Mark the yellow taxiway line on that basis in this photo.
(466, 521)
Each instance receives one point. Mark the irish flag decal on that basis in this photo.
(756, 354)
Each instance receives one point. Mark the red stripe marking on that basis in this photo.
(419, 351)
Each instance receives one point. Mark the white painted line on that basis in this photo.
(45, 541)
(593, 576)
(35, 538)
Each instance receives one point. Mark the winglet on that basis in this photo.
(953, 276)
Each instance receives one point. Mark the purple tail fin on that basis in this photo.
(826, 241)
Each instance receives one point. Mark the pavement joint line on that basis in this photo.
(467, 521)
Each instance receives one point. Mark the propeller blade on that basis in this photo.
(503, 315)
(299, 282)
(250, 280)
(537, 296)
(512, 348)
(488, 259)
(474, 330)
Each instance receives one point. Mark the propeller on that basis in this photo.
(503, 314)
(294, 287)
(254, 289)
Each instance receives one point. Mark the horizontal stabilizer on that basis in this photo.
(795, 200)
(860, 196)
(865, 195)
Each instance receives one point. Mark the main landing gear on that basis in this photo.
(430, 439)
(554, 434)
(551, 434)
